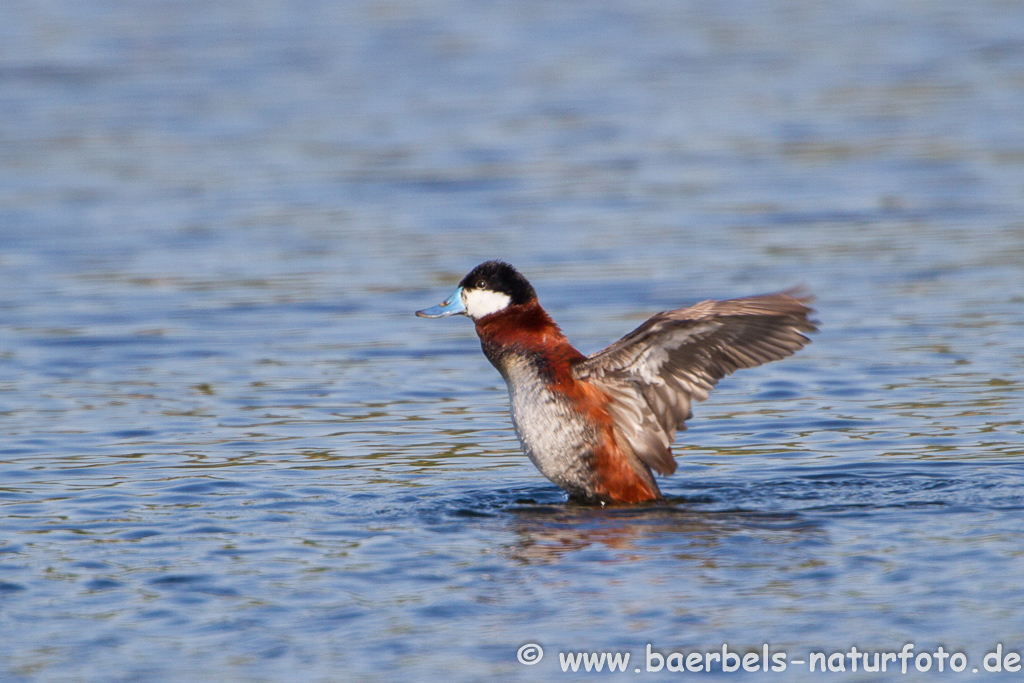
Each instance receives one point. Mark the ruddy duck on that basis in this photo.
(597, 425)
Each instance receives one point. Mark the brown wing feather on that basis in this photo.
(676, 357)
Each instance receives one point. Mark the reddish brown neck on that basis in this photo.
(526, 328)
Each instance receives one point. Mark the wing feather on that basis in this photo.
(676, 357)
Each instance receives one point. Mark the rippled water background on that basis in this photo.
(230, 452)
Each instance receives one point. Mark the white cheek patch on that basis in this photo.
(481, 302)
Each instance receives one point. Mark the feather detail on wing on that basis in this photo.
(655, 372)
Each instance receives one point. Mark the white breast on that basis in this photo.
(556, 438)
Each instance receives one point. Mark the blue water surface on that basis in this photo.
(231, 453)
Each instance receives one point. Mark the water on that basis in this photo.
(230, 452)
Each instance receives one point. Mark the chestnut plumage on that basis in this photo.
(597, 426)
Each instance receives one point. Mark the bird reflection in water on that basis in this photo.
(549, 533)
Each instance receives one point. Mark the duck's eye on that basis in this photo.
(481, 284)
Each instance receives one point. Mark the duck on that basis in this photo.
(600, 426)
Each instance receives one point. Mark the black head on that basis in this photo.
(489, 288)
(501, 278)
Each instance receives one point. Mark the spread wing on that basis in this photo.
(676, 357)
